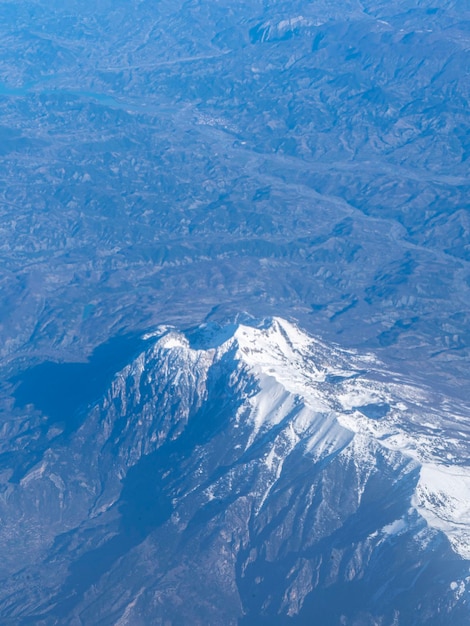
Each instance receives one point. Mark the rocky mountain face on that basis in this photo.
(245, 474)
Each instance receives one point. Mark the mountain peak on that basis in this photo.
(323, 397)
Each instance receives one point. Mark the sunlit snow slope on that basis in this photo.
(345, 401)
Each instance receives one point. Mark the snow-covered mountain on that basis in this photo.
(244, 474)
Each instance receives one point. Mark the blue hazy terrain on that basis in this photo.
(188, 162)
(173, 161)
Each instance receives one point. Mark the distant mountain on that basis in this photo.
(241, 474)
(169, 161)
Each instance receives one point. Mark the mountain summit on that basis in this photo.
(245, 474)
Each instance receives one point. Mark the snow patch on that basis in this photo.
(395, 528)
(442, 497)
(172, 341)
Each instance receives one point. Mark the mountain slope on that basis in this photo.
(246, 474)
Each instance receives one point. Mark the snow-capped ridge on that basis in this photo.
(322, 398)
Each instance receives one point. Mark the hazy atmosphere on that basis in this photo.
(234, 313)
